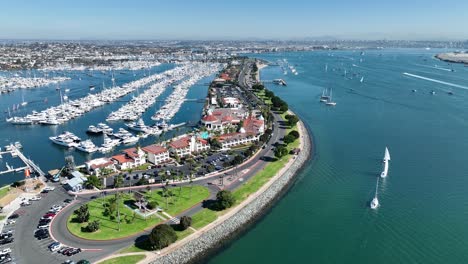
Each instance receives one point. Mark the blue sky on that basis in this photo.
(235, 19)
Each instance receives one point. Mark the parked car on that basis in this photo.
(73, 251)
(55, 246)
(11, 222)
(67, 201)
(6, 235)
(48, 217)
(13, 216)
(44, 226)
(25, 203)
(35, 198)
(49, 188)
(5, 258)
(6, 240)
(83, 261)
(5, 251)
(44, 221)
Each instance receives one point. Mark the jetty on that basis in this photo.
(28, 162)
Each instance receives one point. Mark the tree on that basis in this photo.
(185, 222)
(92, 226)
(289, 139)
(292, 120)
(162, 236)
(152, 205)
(224, 199)
(295, 134)
(237, 160)
(215, 144)
(281, 151)
(82, 214)
(258, 87)
(118, 182)
(93, 181)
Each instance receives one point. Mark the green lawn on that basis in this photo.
(4, 190)
(203, 218)
(109, 227)
(124, 260)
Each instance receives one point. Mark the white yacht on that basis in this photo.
(87, 146)
(50, 120)
(138, 126)
(93, 130)
(386, 160)
(66, 139)
(105, 128)
(130, 140)
(19, 121)
(375, 201)
(109, 144)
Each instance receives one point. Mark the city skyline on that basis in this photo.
(240, 20)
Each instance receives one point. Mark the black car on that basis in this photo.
(6, 240)
(67, 201)
(93, 197)
(43, 236)
(6, 235)
(72, 252)
(45, 191)
(41, 232)
(13, 216)
(44, 221)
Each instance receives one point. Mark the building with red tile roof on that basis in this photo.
(156, 154)
(130, 158)
(235, 139)
(187, 145)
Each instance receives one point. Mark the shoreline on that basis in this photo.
(216, 235)
(453, 57)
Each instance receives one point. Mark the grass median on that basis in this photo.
(178, 200)
(124, 259)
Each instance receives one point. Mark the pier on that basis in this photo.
(29, 163)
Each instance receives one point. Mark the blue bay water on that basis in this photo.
(35, 139)
(325, 217)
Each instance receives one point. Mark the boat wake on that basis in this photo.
(436, 81)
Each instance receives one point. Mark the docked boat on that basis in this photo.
(93, 130)
(279, 82)
(109, 144)
(87, 146)
(375, 201)
(386, 160)
(66, 139)
(19, 121)
(130, 140)
(138, 126)
(50, 120)
(105, 128)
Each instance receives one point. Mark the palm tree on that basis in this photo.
(191, 185)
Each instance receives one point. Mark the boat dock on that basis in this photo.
(29, 163)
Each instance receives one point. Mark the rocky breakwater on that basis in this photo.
(211, 237)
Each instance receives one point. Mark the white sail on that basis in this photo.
(385, 170)
(386, 155)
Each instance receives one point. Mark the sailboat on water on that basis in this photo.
(362, 79)
(386, 161)
(324, 97)
(330, 101)
(375, 201)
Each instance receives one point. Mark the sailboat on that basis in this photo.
(324, 97)
(375, 202)
(23, 103)
(386, 160)
(362, 79)
(329, 101)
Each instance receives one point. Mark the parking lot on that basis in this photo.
(31, 245)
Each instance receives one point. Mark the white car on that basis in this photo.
(35, 198)
(25, 203)
(47, 218)
(5, 251)
(56, 207)
(55, 246)
(11, 222)
(46, 226)
(49, 188)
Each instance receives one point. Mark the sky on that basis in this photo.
(234, 19)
